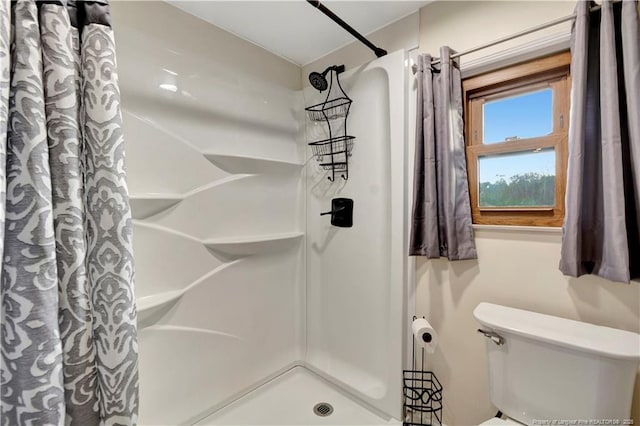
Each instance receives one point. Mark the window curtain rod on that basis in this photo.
(324, 9)
(513, 36)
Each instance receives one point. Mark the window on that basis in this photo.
(517, 122)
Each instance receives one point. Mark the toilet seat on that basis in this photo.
(495, 421)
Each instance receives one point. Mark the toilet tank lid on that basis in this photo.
(582, 336)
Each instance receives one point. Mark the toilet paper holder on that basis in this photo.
(427, 337)
(422, 392)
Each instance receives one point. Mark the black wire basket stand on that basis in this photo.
(422, 393)
(333, 153)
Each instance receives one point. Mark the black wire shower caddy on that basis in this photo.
(333, 153)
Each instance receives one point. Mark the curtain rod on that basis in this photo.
(324, 9)
(516, 35)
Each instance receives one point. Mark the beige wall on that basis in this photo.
(466, 24)
(515, 268)
(402, 34)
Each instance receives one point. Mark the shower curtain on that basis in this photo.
(68, 331)
(441, 217)
(602, 221)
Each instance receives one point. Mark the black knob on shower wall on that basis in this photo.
(341, 212)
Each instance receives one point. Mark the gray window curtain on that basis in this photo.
(601, 233)
(68, 323)
(441, 216)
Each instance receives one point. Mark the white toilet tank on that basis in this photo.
(551, 368)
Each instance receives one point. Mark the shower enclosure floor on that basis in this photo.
(289, 399)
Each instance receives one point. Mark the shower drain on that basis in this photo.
(323, 409)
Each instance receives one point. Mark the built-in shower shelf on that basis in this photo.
(247, 246)
(236, 164)
(149, 305)
(145, 205)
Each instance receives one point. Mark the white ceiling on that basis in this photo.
(294, 29)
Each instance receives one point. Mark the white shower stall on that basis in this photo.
(252, 307)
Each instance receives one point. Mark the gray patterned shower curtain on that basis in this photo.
(68, 323)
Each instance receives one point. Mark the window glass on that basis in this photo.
(523, 179)
(526, 115)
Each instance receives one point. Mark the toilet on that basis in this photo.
(544, 369)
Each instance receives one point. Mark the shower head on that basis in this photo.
(319, 80)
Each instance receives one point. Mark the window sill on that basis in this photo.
(515, 228)
(516, 209)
